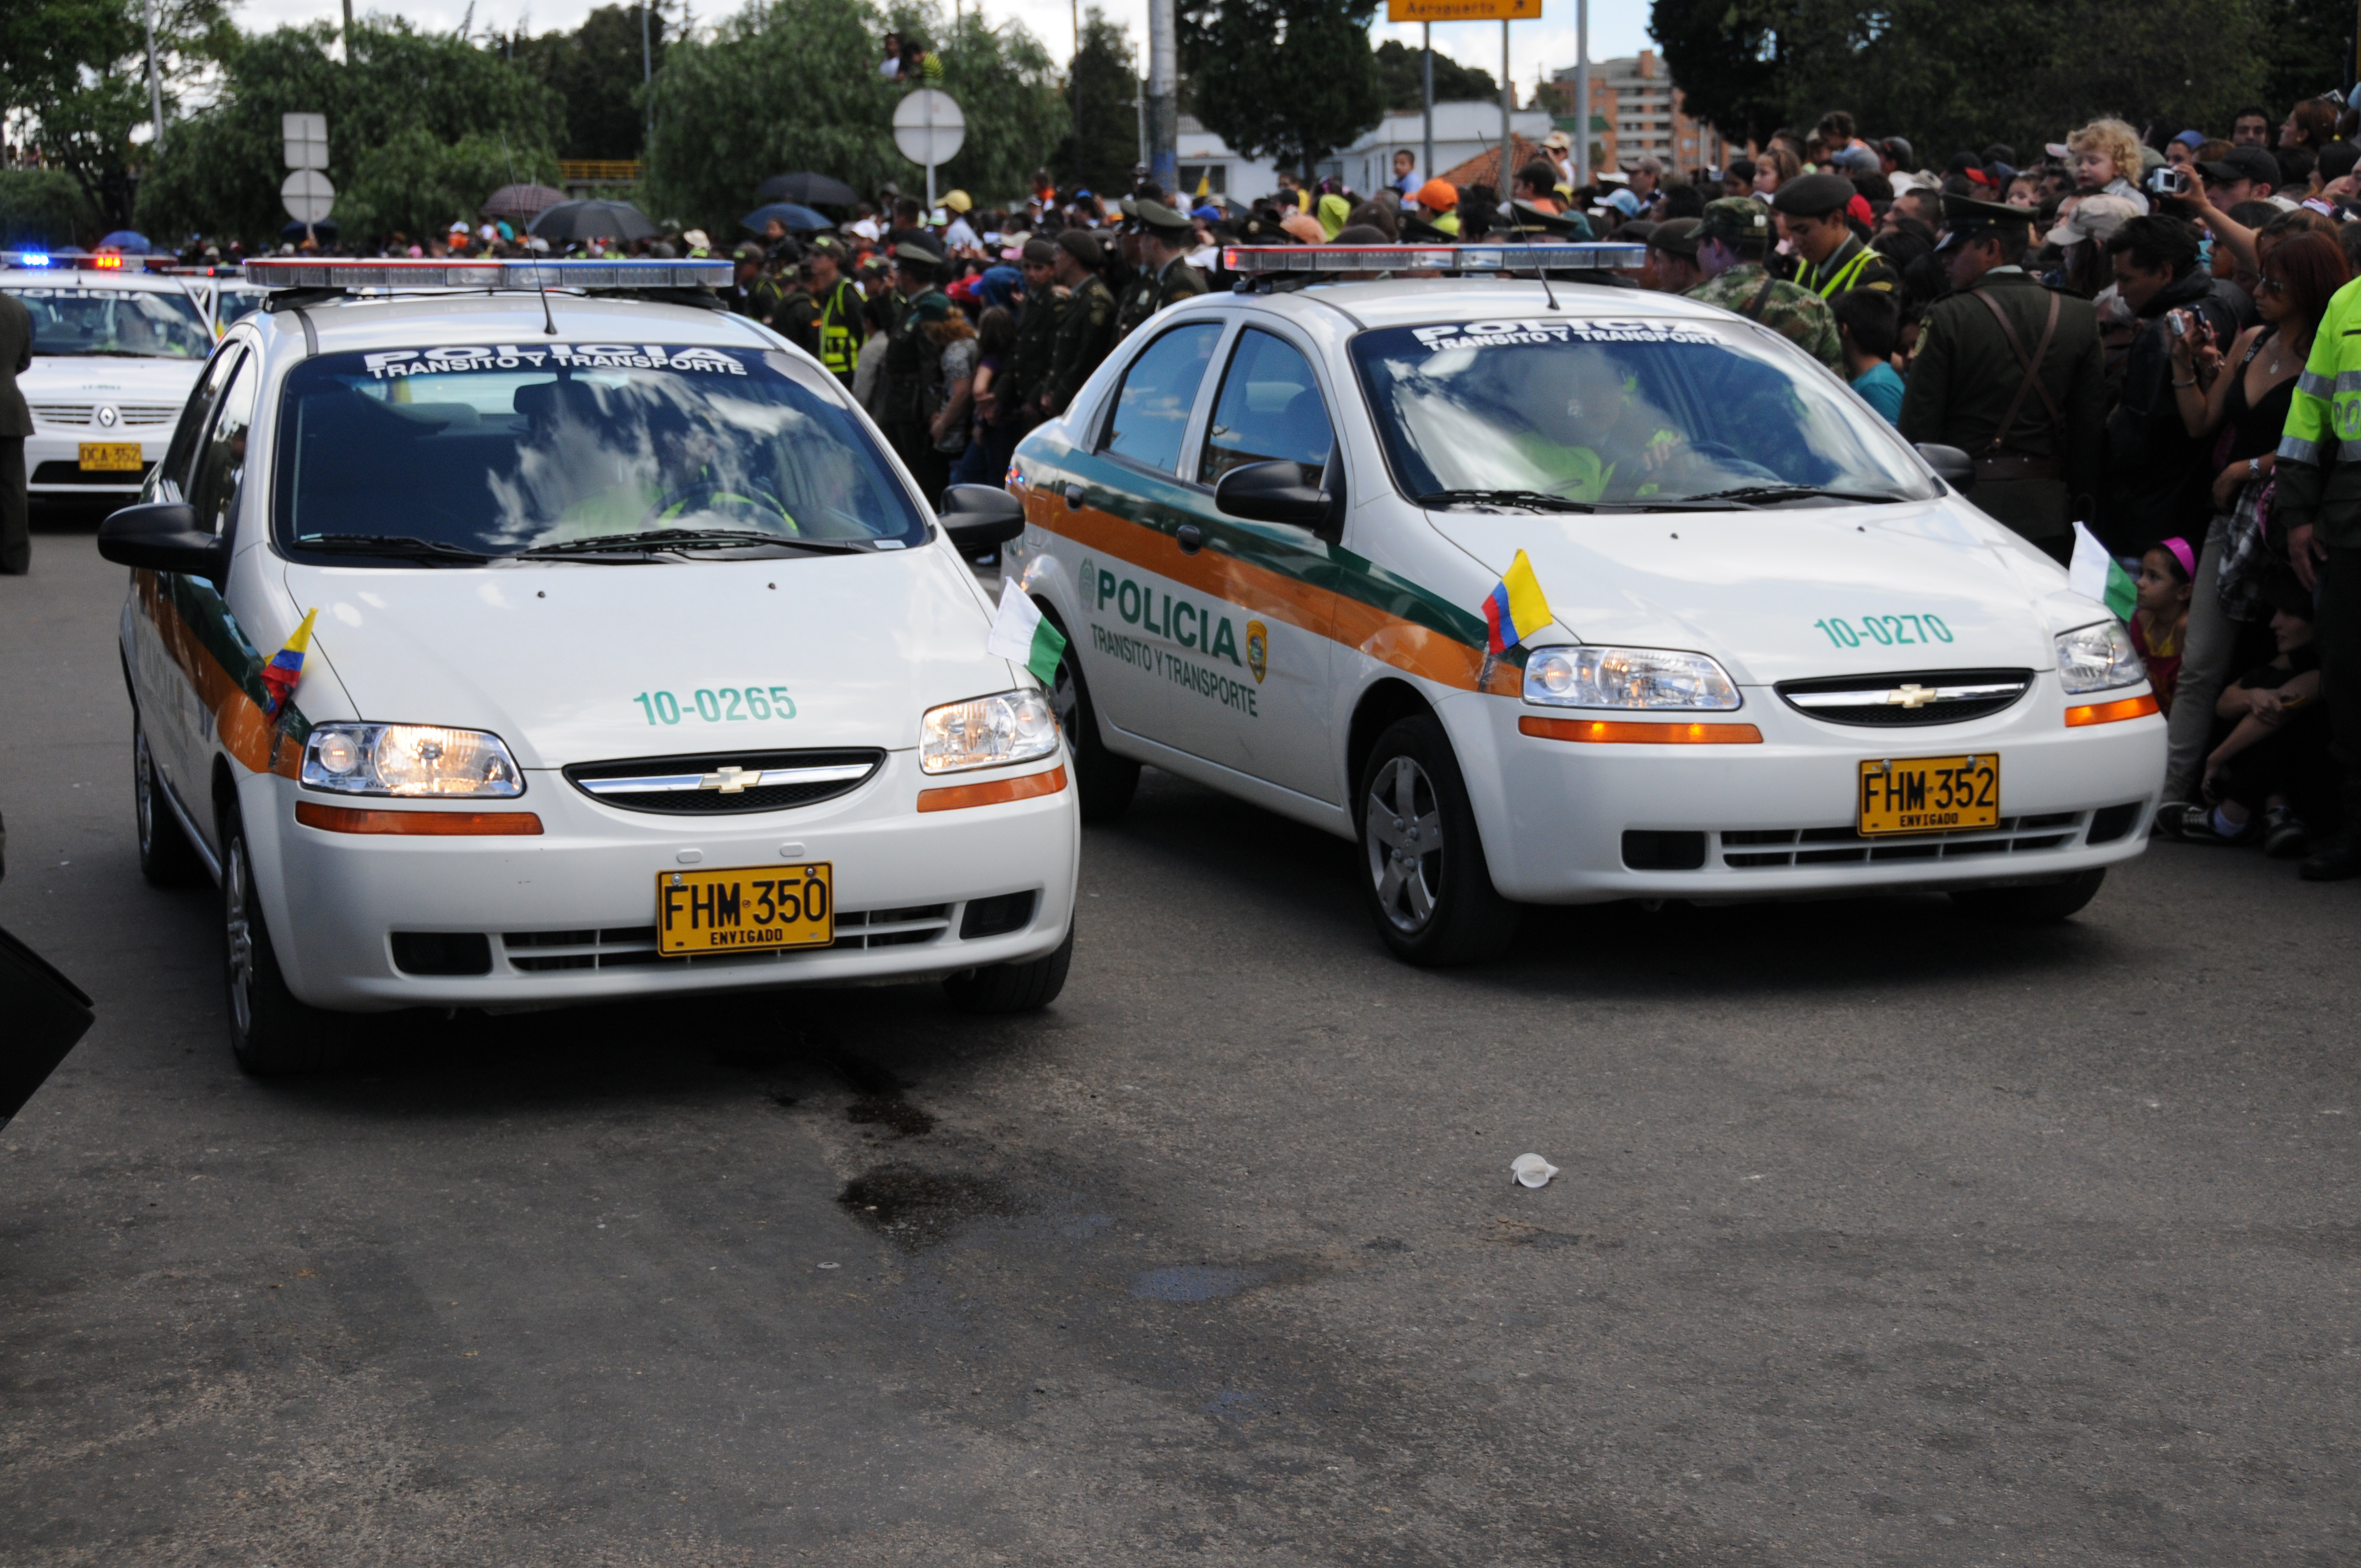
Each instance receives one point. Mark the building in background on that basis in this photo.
(1206, 159)
(1461, 131)
(1636, 111)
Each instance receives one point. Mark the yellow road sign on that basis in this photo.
(1463, 10)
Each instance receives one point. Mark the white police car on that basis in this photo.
(1787, 657)
(116, 351)
(639, 668)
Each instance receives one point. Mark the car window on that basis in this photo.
(501, 447)
(1270, 410)
(123, 324)
(1160, 391)
(201, 400)
(221, 460)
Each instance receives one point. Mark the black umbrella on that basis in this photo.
(521, 204)
(325, 230)
(811, 190)
(591, 220)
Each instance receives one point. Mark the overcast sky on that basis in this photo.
(1616, 26)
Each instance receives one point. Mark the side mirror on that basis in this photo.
(1955, 468)
(1272, 492)
(978, 517)
(162, 536)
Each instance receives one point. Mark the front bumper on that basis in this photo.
(1776, 818)
(569, 914)
(53, 462)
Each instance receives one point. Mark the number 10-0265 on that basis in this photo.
(717, 704)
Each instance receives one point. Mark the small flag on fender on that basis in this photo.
(1020, 632)
(2095, 574)
(286, 666)
(1515, 609)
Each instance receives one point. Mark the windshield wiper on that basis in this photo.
(1540, 501)
(402, 545)
(1794, 492)
(686, 539)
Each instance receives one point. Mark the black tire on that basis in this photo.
(269, 1030)
(1103, 782)
(167, 859)
(1428, 889)
(1012, 987)
(2044, 904)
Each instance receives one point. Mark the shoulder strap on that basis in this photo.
(2032, 363)
(1755, 306)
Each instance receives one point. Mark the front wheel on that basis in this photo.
(1430, 891)
(1013, 988)
(270, 1031)
(2043, 904)
(1103, 782)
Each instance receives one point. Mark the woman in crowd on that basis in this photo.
(2241, 399)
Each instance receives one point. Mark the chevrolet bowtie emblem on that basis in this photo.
(1911, 694)
(730, 780)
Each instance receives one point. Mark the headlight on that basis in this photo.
(409, 759)
(1627, 677)
(2096, 658)
(986, 731)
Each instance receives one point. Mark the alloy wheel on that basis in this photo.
(1401, 826)
(239, 928)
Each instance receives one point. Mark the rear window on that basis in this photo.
(499, 448)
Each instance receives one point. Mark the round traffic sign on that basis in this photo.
(928, 127)
(307, 195)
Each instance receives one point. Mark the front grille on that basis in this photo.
(544, 952)
(1755, 848)
(725, 782)
(1927, 697)
(81, 414)
(63, 413)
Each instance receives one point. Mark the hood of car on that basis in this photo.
(97, 380)
(1792, 593)
(575, 663)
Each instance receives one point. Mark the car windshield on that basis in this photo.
(138, 324)
(1643, 412)
(498, 449)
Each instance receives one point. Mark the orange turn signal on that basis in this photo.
(999, 792)
(1628, 732)
(2110, 712)
(432, 824)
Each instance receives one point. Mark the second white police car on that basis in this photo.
(626, 662)
(1786, 655)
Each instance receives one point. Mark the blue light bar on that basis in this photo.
(1584, 255)
(24, 259)
(306, 272)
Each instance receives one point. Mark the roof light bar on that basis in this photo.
(304, 272)
(103, 261)
(1586, 256)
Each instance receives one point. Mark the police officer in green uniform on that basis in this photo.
(1164, 241)
(2038, 434)
(1086, 329)
(1137, 300)
(1036, 334)
(1733, 238)
(1830, 259)
(836, 318)
(796, 316)
(913, 366)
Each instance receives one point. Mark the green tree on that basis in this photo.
(1402, 76)
(1102, 88)
(597, 71)
(780, 87)
(74, 76)
(415, 123)
(44, 207)
(1293, 80)
(2309, 47)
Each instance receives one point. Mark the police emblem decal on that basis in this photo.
(1086, 578)
(1257, 649)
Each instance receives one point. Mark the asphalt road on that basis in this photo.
(1881, 1237)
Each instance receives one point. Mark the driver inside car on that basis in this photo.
(1590, 436)
(676, 471)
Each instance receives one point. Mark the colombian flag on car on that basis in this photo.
(286, 666)
(1515, 609)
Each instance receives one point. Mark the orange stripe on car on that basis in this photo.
(2111, 712)
(1638, 732)
(418, 824)
(998, 792)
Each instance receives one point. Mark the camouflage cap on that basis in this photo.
(1734, 218)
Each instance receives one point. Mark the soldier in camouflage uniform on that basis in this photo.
(1732, 239)
(1086, 329)
(1037, 335)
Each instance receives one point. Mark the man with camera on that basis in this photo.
(2158, 480)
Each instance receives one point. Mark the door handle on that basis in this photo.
(1191, 537)
(1074, 497)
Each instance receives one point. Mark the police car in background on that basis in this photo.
(1787, 656)
(115, 350)
(638, 669)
